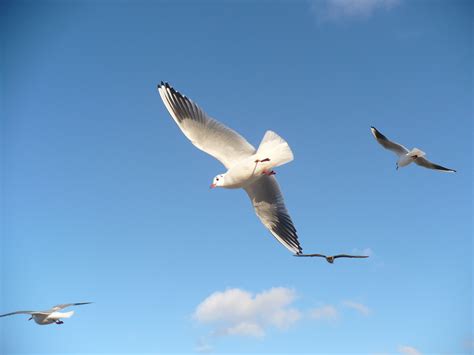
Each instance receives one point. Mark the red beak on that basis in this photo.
(212, 186)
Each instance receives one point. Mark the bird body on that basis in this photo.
(272, 152)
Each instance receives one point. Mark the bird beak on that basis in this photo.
(30, 318)
(212, 186)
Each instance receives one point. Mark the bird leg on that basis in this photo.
(59, 322)
(259, 161)
(268, 173)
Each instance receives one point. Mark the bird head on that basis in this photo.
(218, 181)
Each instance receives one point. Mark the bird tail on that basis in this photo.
(275, 148)
(416, 152)
(59, 315)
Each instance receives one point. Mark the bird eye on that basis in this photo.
(217, 179)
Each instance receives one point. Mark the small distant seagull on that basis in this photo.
(330, 259)
(50, 316)
(407, 156)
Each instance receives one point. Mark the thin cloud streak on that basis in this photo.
(359, 307)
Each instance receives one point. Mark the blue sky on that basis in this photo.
(104, 200)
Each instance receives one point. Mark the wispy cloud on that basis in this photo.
(203, 346)
(238, 312)
(359, 307)
(408, 350)
(326, 312)
(334, 10)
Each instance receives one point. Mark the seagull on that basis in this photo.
(406, 156)
(247, 168)
(330, 259)
(50, 316)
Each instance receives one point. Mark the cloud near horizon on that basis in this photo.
(334, 10)
(408, 350)
(238, 312)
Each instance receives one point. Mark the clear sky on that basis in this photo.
(104, 199)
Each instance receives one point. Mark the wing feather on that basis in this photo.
(18, 312)
(398, 149)
(269, 206)
(204, 132)
(421, 161)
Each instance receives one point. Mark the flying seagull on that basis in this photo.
(247, 168)
(330, 259)
(406, 156)
(50, 316)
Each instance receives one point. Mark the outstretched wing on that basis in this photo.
(421, 161)
(398, 149)
(312, 255)
(65, 305)
(18, 312)
(349, 256)
(269, 206)
(204, 132)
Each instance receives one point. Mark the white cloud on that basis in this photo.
(408, 350)
(339, 9)
(326, 312)
(359, 307)
(238, 312)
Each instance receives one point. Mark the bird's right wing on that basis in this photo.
(65, 305)
(398, 149)
(204, 132)
(269, 206)
(18, 312)
(427, 164)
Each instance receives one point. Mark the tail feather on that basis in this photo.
(275, 148)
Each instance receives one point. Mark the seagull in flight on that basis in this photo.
(51, 315)
(405, 156)
(330, 259)
(247, 168)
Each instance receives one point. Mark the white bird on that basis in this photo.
(248, 168)
(50, 316)
(405, 156)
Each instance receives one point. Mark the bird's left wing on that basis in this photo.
(65, 305)
(269, 206)
(204, 132)
(349, 256)
(312, 255)
(427, 164)
(17, 312)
